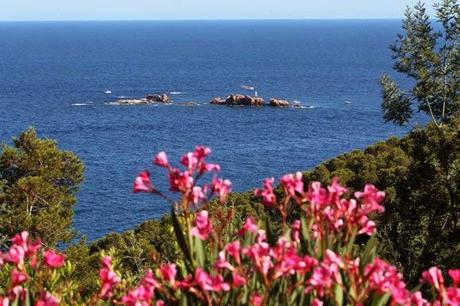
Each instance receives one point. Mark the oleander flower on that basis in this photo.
(53, 259)
(203, 225)
(221, 188)
(161, 159)
(108, 278)
(267, 194)
(142, 182)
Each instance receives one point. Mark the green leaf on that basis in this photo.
(338, 295)
(199, 249)
(370, 251)
(382, 300)
(180, 237)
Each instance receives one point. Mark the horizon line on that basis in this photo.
(204, 19)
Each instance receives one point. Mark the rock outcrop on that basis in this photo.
(238, 99)
(149, 99)
(279, 103)
(160, 98)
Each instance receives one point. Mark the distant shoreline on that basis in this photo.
(199, 20)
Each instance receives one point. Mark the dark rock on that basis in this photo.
(160, 98)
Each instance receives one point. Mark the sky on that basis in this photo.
(28, 10)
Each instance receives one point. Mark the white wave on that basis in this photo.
(82, 104)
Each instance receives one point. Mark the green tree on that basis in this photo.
(37, 189)
(432, 60)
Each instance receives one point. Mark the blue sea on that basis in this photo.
(53, 76)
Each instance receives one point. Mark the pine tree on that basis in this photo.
(432, 60)
(38, 183)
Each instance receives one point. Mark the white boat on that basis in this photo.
(108, 92)
(247, 87)
(348, 102)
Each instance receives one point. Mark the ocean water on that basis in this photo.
(53, 76)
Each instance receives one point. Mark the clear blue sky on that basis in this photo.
(199, 9)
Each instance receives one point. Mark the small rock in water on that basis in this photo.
(279, 103)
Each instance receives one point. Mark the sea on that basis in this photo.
(59, 77)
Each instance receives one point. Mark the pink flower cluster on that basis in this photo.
(331, 213)
(314, 254)
(185, 181)
(23, 256)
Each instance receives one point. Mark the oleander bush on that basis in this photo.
(315, 258)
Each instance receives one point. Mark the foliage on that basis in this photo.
(37, 189)
(314, 260)
(432, 60)
(420, 174)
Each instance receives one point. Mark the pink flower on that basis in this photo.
(203, 225)
(256, 299)
(372, 198)
(161, 159)
(418, 300)
(141, 296)
(142, 182)
(453, 296)
(238, 280)
(168, 273)
(249, 226)
(18, 293)
(46, 299)
(210, 167)
(295, 231)
(317, 195)
(4, 301)
(335, 190)
(221, 187)
(202, 152)
(108, 278)
(17, 278)
(149, 280)
(455, 276)
(197, 195)
(190, 161)
(268, 197)
(233, 249)
(222, 262)
(368, 228)
(433, 277)
(317, 302)
(23, 247)
(53, 259)
(385, 278)
(16, 255)
(210, 283)
(180, 181)
(293, 184)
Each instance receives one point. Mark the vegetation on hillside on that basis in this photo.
(38, 183)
